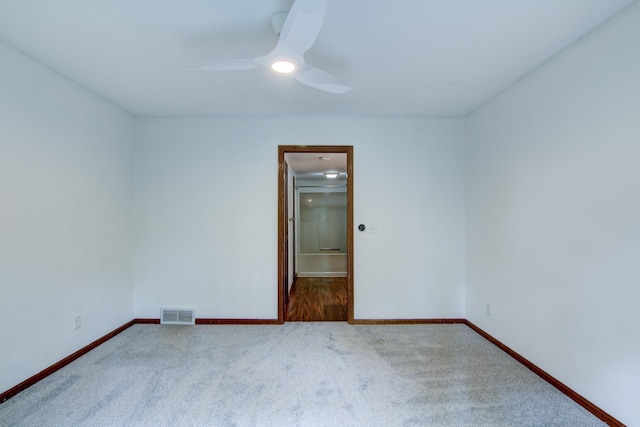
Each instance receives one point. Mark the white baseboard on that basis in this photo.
(323, 274)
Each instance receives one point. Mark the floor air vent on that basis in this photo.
(178, 316)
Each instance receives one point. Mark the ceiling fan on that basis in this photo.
(297, 31)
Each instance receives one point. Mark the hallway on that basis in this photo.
(317, 299)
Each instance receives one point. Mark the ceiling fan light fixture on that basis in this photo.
(331, 175)
(297, 30)
(283, 66)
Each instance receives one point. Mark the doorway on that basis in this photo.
(333, 252)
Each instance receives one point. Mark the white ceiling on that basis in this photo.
(314, 165)
(402, 57)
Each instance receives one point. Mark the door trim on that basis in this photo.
(283, 219)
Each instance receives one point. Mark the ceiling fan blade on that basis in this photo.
(226, 65)
(303, 24)
(322, 80)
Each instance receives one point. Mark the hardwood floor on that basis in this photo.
(317, 299)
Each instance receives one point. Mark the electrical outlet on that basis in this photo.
(488, 309)
(78, 322)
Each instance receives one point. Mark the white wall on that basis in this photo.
(322, 222)
(553, 216)
(206, 213)
(65, 187)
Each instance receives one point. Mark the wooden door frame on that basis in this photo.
(283, 218)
